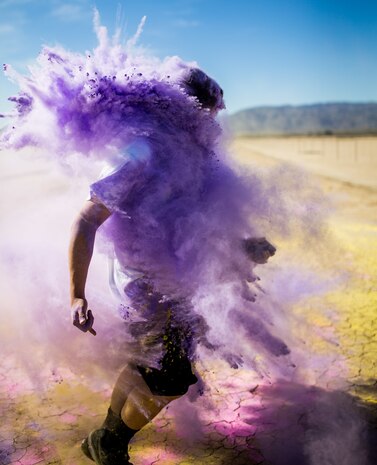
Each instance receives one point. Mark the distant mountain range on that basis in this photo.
(320, 118)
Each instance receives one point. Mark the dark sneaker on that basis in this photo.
(85, 448)
(104, 448)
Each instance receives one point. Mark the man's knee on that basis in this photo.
(167, 399)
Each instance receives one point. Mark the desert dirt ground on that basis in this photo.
(242, 420)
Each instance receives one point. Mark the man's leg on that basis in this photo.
(133, 401)
(141, 407)
(128, 379)
(133, 406)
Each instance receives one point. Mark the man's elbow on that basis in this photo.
(82, 226)
(91, 217)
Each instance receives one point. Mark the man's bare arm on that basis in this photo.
(84, 229)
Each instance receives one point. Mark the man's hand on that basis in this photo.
(258, 249)
(82, 318)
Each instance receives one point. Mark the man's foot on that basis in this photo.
(104, 448)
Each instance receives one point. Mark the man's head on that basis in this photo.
(198, 84)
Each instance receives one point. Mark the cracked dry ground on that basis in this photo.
(249, 422)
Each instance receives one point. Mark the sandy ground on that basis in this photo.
(242, 420)
(348, 159)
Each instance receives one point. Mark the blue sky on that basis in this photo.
(262, 52)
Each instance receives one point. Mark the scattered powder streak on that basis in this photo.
(84, 110)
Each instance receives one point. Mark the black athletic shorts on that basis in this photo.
(174, 375)
(170, 380)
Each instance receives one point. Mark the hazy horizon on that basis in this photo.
(307, 104)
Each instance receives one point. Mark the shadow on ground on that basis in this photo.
(302, 425)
